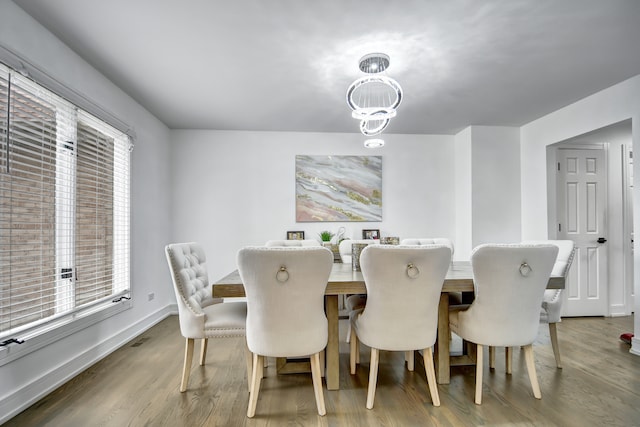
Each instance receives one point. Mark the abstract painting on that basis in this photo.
(338, 188)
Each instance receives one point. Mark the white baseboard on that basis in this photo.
(618, 310)
(21, 399)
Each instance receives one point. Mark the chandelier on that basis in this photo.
(374, 97)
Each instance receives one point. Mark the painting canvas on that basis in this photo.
(338, 188)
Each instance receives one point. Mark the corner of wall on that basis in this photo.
(635, 346)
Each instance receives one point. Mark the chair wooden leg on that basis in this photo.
(353, 351)
(553, 333)
(248, 357)
(508, 358)
(427, 356)
(409, 356)
(531, 368)
(479, 364)
(186, 369)
(317, 383)
(492, 357)
(373, 377)
(203, 350)
(256, 378)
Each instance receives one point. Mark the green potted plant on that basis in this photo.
(325, 237)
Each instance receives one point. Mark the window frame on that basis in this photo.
(58, 327)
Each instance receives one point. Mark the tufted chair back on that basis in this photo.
(201, 316)
(292, 243)
(344, 248)
(187, 262)
(285, 299)
(509, 281)
(429, 241)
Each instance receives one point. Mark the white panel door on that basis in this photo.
(582, 202)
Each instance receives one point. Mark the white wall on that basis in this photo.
(495, 181)
(30, 377)
(463, 194)
(487, 187)
(233, 189)
(616, 240)
(612, 105)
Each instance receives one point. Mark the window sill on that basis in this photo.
(50, 333)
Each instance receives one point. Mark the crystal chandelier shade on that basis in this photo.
(375, 97)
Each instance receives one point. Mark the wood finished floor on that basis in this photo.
(138, 386)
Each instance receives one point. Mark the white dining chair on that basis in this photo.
(509, 282)
(413, 241)
(355, 302)
(551, 308)
(292, 243)
(201, 316)
(285, 290)
(390, 321)
(552, 300)
(345, 247)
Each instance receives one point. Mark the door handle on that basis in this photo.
(601, 240)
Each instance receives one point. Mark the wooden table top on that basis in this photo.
(343, 280)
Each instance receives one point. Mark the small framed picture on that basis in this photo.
(295, 235)
(371, 234)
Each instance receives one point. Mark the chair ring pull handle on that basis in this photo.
(412, 271)
(282, 275)
(525, 269)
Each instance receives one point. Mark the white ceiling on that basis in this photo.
(284, 65)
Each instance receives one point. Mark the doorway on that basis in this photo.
(589, 195)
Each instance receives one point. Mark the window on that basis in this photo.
(64, 209)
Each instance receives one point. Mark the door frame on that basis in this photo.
(628, 229)
(625, 217)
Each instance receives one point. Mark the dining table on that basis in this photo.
(344, 280)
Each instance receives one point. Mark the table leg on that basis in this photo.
(442, 343)
(332, 373)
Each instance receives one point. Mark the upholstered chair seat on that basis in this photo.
(391, 322)
(509, 282)
(201, 316)
(285, 290)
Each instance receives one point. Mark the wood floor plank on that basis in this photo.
(138, 385)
